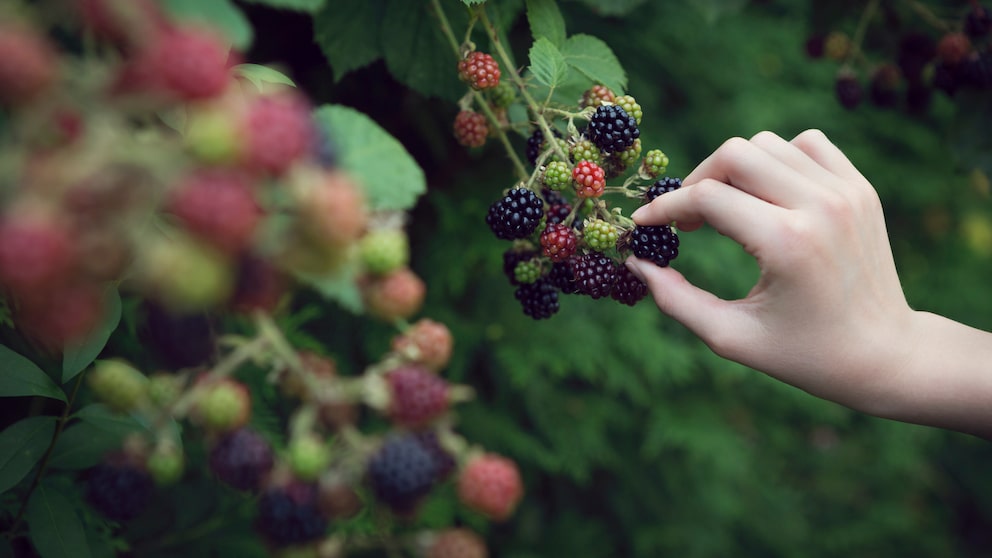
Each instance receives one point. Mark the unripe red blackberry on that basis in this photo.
(278, 131)
(417, 396)
(289, 514)
(590, 179)
(595, 274)
(396, 295)
(558, 213)
(190, 63)
(884, 86)
(491, 485)
(119, 488)
(28, 64)
(64, 315)
(427, 342)
(333, 208)
(662, 186)
(456, 542)
(479, 70)
(402, 472)
(848, 90)
(953, 48)
(628, 289)
(471, 128)
(242, 459)
(612, 129)
(596, 96)
(539, 299)
(515, 215)
(558, 242)
(659, 244)
(260, 285)
(36, 253)
(218, 206)
(338, 499)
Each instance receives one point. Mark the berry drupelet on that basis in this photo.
(515, 215)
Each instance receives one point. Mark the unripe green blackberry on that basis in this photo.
(557, 176)
(503, 95)
(600, 235)
(118, 385)
(527, 271)
(630, 105)
(308, 456)
(164, 388)
(166, 464)
(655, 163)
(585, 150)
(384, 250)
(628, 157)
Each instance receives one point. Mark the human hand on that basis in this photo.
(828, 313)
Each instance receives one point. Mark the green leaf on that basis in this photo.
(546, 21)
(391, 178)
(260, 76)
(547, 63)
(713, 10)
(220, 14)
(614, 7)
(472, 2)
(594, 59)
(21, 446)
(298, 5)
(83, 445)
(78, 356)
(339, 286)
(416, 52)
(347, 31)
(21, 377)
(55, 529)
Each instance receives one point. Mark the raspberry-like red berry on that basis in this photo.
(457, 542)
(402, 472)
(218, 205)
(479, 70)
(278, 131)
(65, 314)
(558, 242)
(338, 499)
(595, 274)
(590, 179)
(187, 63)
(119, 488)
(333, 208)
(539, 299)
(659, 243)
(396, 295)
(427, 342)
(127, 23)
(491, 485)
(242, 459)
(597, 95)
(612, 129)
(471, 128)
(628, 289)
(417, 396)
(953, 48)
(35, 253)
(28, 64)
(289, 514)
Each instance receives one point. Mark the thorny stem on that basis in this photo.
(480, 101)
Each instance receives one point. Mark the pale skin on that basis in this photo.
(827, 314)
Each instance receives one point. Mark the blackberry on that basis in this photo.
(446, 463)
(558, 242)
(947, 78)
(595, 274)
(241, 459)
(585, 150)
(402, 472)
(539, 299)
(527, 271)
(978, 22)
(662, 186)
(848, 91)
(655, 163)
(659, 244)
(630, 106)
(535, 144)
(884, 87)
(554, 198)
(918, 98)
(290, 514)
(978, 70)
(916, 50)
(178, 340)
(417, 395)
(612, 129)
(628, 289)
(562, 277)
(516, 215)
(511, 258)
(118, 488)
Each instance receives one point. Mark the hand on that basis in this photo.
(828, 313)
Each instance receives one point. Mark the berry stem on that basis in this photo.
(927, 15)
(480, 101)
(859, 32)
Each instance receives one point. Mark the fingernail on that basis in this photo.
(633, 264)
(639, 211)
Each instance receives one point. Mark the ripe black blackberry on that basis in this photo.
(659, 244)
(628, 289)
(558, 212)
(848, 90)
(595, 274)
(402, 472)
(539, 299)
(884, 86)
(511, 258)
(562, 277)
(290, 514)
(662, 186)
(612, 129)
(978, 70)
(118, 488)
(515, 215)
(536, 144)
(552, 198)
(947, 77)
(242, 459)
(446, 463)
(178, 340)
(978, 22)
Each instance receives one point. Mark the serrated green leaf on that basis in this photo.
(260, 76)
(84, 444)
(298, 5)
(546, 21)
(221, 14)
(473, 2)
(547, 63)
(390, 177)
(79, 355)
(416, 52)
(55, 529)
(20, 377)
(595, 59)
(347, 32)
(339, 286)
(21, 446)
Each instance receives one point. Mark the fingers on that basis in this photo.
(730, 211)
(792, 155)
(754, 170)
(820, 149)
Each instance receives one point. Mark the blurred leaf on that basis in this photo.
(593, 58)
(545, 20)
(613, 7)
(713, 10)
(347, 31)
(473, 2)
(339, 287)
(299, 5)
(21, 446)
(260, 75)
(84, 444)
(99, 416)
(220, 14)
(79, 355)
(416, 51)
(391, 178)
(546, 63)
(20, 377)
(55, 528)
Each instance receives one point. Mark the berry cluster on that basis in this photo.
(566, 238)
(904, 63)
